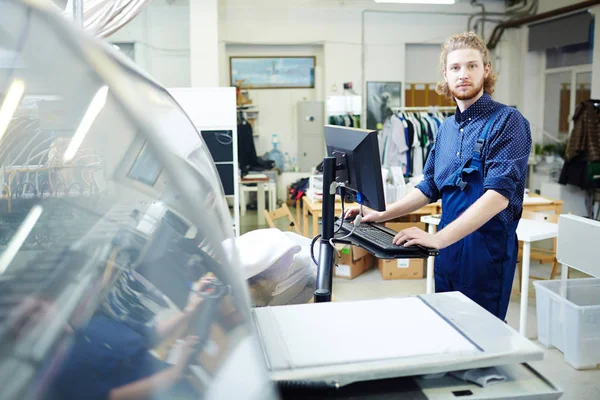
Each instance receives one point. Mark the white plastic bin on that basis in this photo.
(568, 318)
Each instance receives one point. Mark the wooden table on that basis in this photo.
(315, 208)
(536, 203)
(260, 180)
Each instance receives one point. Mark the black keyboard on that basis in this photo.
(372, 234)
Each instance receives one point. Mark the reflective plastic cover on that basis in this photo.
(113, 279)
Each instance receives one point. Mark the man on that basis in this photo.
(111, 359)
(478, 168)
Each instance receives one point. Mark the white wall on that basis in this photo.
(334, 28)
(423, 63)
(204, 42)
(162, 41)
(277, 107)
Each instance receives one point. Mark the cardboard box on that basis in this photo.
(402, 268)
(353, 262)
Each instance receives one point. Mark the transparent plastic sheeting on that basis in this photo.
(112, 219)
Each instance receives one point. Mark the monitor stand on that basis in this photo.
(324, 281)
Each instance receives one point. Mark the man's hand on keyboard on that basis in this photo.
(368, 214)
(415, 236)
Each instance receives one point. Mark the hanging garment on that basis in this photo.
(414, 145)
(585, 137)
(247, 158)
(583, 147)
(410, 134)
(406, 124)
(346, 120)
(482, 264)
(394, 139)
(419, 154)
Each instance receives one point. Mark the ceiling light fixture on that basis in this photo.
(417, 1)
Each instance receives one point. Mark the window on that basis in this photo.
(567, 56)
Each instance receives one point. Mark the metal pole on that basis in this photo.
(78, 12)
(325, 268)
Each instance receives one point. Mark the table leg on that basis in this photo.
(315, 224)
(305, 220)
(525, 288)
(242, 195)
(272, 196)
(430, 273)
(260, 199)
(564, 273)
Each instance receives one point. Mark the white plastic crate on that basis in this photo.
(568, 318)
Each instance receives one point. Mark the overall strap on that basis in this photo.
(476, 161)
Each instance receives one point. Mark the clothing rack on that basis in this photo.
(408, 136)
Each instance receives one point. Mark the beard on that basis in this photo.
(471, 92)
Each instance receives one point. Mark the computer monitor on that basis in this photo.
(357, 164)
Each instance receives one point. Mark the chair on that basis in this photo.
(544, 256)
(282, 212)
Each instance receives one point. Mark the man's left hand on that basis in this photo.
(415, 236)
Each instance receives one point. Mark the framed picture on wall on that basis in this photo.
(381, 98)
(293, 72)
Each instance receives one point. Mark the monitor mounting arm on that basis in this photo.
(325, 272)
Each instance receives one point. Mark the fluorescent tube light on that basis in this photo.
(96, 105)
(417, 1)
(13, 97)
(15, 243)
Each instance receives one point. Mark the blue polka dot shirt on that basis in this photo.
(504, 154)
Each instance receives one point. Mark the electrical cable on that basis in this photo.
(312, 244)
(342, 217)
(224, 138)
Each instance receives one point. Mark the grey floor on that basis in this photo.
(576, 385)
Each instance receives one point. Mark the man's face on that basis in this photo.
(465, 73)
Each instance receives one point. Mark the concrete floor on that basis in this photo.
(576, 385)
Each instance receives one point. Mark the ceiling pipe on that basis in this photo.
(522, 11)
(515, 23)
(519, 12)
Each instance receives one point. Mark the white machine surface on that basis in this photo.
(377, 339)
(577, 244)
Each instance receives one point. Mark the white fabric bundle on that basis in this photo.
(273, 262)
(263, 249)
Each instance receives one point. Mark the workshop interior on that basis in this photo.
(316, 199)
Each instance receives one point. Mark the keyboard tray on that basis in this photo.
(401, 252)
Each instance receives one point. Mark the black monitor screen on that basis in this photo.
(359, 168)
(145, 168)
